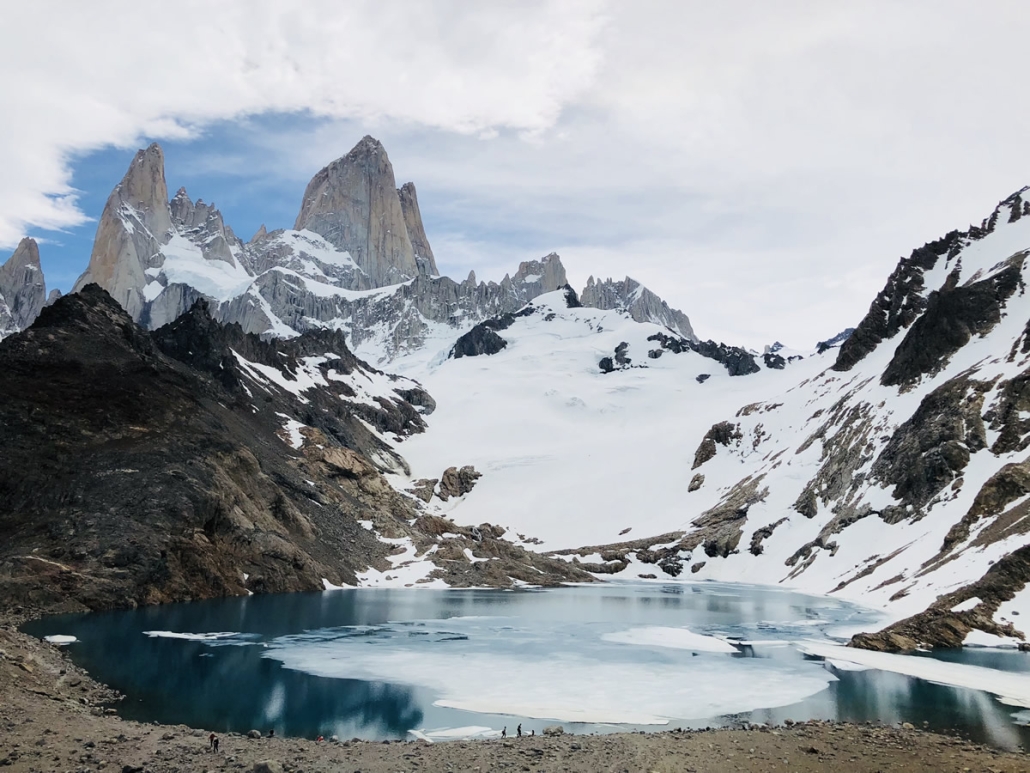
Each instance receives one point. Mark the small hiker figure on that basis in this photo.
(532, 733)
(215, 742)
(271, 732)
(211, 742)
(518, 730)
(319, 739)
(504, 732)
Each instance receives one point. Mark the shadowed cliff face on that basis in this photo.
(130, 477)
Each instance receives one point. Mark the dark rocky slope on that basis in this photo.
(128, 477)
(142, 468)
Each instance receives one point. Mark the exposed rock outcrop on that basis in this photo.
(737, 361)
(940, 626)
(457, 482)
(483, 338)
(723, 433)
(951, 317)
(22, 288)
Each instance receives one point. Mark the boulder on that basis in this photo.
(456, 483)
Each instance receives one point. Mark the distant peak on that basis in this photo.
(367, 145)
(260, 234)
(27, 252)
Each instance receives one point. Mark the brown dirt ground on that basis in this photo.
(53, 717)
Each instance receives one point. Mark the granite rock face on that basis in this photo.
(354, 203)
(356, 233)
(636, 300)
(22, 288)
(416, 231)
(135, 224)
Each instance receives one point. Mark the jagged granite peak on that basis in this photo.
(144, 189)
(22, 287)
(353, 203)
(54, 296)
(548, 272)
(640, 303)
(135, 223)
(203, 225)
(260, 234)
(416, 231)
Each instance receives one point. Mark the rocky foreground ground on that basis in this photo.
(53, 717)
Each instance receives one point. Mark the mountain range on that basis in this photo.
(318, 406)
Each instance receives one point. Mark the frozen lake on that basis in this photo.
(394, 663)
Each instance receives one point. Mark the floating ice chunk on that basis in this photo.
(208, 637)
(456, 733)
(1011, 688)
(676, 638)
(60, 639)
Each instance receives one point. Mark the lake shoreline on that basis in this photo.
(54, 716)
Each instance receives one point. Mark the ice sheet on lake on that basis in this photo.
(1011, 687)
(564, 673)
(675, 638)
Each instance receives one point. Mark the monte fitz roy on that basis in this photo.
(206, 416)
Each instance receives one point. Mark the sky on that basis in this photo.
(761, 166)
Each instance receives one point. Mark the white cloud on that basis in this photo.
(760, 165)
(78, 76)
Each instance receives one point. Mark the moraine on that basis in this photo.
(397, 663)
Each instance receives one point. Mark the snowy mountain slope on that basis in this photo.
(891, 472)
(571, 455)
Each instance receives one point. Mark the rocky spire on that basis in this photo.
(203, 225)
(22, 287)
(135, 223)
(354, 204)
(416, 231)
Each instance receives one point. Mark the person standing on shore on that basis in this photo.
(211, 742)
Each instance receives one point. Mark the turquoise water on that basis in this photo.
(382, 663)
